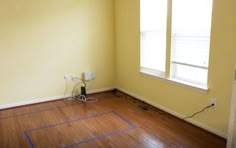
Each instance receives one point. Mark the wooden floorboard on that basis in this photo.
(113, 121)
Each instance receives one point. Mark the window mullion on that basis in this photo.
(168, 39)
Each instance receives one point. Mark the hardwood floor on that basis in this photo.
(113, 121)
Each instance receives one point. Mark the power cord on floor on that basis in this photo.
(205, 108)
(81, 96)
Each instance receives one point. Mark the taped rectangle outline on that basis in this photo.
(116, 132)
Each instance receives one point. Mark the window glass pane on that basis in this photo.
(153, 34)
(191, 16)
(153, 15)
(191, 29)
(190, 74)
(191, 49)
(153, 54)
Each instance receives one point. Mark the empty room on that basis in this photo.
(118, 73)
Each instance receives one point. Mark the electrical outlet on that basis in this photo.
(67, 77)
(213, 102)
(74, 77)
(89, 76)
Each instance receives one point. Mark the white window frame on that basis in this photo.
(167, 75)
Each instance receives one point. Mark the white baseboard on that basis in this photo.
(178, 115)
(41, 100)
(30, 101)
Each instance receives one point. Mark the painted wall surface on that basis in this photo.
(41, 40)
(181, 99)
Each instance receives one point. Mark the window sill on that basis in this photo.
(176, 81)
(152, 73)
(188, 84)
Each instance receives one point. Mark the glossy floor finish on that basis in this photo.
(113, 121)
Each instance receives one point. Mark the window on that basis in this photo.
(153, 35)
(190, 32)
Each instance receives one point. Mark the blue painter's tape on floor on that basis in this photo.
(116, 132)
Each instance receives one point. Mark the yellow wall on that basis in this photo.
(180, 99)
(41, 40)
